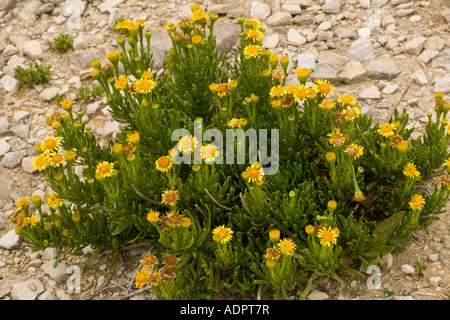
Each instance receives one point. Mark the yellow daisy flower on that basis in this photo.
(187, 144)
(386, 130)
(170, 25)
(254, 173)
(354, 150)
(337, 138)
(447, 163)
(301, 93)
(53, 201)
(324, 87)
(147, 74)
(222, 234)
(105, 169)
(66, 104)
(56, 159)
(133, 137)
(196, 39)
(199, 16)
(347, 99)
(171, 220)
(255, 35)
(327, 104)
(302, 74)
(287, 246)
(252, 51)
(22, 202)
(327, 236)
(153, 216)
(417, 202)
(41, 162)
(223, 90)
(144, 86)
(50, 145)
(351, 113)
(149, 261)
(164, 163)
(113, 55)
(32, 220)
(209, 153)
(411, 171)
(277, 91)
(170, 197)
(121, 83)
(142, 277)
(273, 253)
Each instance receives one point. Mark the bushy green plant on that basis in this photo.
(63, 42)
(346, 190)
(34, 74)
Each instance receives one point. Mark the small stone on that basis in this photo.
(306, 60)
(446, 14)
(281, 18)
(49, 93)
(4, 147)
(325, 71)
(442, 84)
(270, 41)
(435, 43)
(80, 42)
(72, 8)
(415, 46)
(331, 6)
(382, 69)
(10, 84)
(419, 77)
(428, 55)
(434, 257)
(27, 164)
(333, 58)
(4, 125)
(435, 281)
(259, 10)
(46, 8)
(295, 37)
(6, 4)
(109, 5)
(10, 240)
(293, 9)
(415, 18)
(345, 33)
(402, 298)
(317, 295)
(361, 50)
(391, 88)
(21, 130)
(59, 273)
(364, 32)
(407, 269)
(23, 290)
(352, 72)
(33, 49)
(371, 92)
(12, 159)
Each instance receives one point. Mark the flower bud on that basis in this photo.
(331, 157)
(309, 229)
(274, 235)
(332, 205)
(37, 200)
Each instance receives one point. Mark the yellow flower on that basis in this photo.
(133, 137)
(277, 91)
(276, 103)
(186, 222)
(144, 86)
(66, 104)
(153, 216)
(255, 35)
(359, 197)
(105, 169)
(53, 201)
(121, 83)
(22, 202)
(347, 99)
(273, 253)
(222, 234)
(327, 104)
(447, 163)
(396, 140)
(309, 229)
(149, 261)
(302, 74)
(171, 220)
(170, 197)
(56, 159)
(417, 202)
(254, 173)
(95, 73)
(354, 150)
(187, 144)
(234, 123)
(410, 171)
(142, 277)
(147, 74)
(327, 236)
(324, 87)
(222, 90)
(287, 246)
(41, 162)
(251, 51)
(274, 235)
(301, 93)
(125, 24)
(113, 55)
(386, 130)
(164, 163)
(50, 145)
(209, 153)
(170, 25)
(253, 23)
(196, 39)
(199, 16)
(330, 156)
(336, 138)
(403, 146)
(351, 113)
(278, 74)
(32, 220)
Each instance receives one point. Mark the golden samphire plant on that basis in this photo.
(190, 173)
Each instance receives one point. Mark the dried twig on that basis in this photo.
(217, 202)
(268, 205)
(147, 198)
(244, 204)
